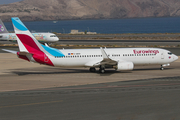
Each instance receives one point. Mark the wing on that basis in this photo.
(106, 60)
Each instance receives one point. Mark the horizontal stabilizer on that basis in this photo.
(24, 53)
(10, 51)
(46, 45)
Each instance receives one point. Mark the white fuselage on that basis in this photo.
(41, 37)
(89, 57)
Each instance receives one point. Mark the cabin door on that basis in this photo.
(162, 55)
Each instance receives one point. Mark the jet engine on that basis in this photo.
(125, 66)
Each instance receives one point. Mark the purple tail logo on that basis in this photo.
(1, 28)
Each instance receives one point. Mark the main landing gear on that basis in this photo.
(92, 69)
(101, 69)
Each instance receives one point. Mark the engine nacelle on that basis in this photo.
(125, 66)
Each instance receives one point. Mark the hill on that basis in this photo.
(30, 10)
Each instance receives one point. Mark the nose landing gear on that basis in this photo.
(162, 68)
(165, 65)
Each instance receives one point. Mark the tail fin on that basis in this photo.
(28, 44)
(26, 41)
(3, 28)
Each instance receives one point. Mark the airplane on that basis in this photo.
(121, 59)
(41, 37)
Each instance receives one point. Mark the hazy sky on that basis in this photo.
(8, 1)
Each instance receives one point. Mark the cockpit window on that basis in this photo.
(53, 36)
(169, 53)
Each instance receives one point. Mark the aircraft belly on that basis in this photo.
(69, 62)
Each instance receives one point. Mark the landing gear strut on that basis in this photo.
(101, 69)
(92, 69)
(162, 68)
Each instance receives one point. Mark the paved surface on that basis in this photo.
(122, 42)
(113, 101)
(115, 42)
(119, 35)
(35, 92)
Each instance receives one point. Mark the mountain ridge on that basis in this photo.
(32, 10)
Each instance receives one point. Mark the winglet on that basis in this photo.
(105, 56)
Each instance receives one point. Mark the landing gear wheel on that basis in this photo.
(92, 69)
(102, 70)
(161, 68)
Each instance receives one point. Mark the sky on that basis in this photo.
(8, 1)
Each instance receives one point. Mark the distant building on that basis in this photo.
(73, 32)
(76, 32)
(91, 33)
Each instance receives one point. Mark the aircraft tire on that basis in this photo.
(101, 70)
(162, 68)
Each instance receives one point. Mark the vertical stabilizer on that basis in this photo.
(2, 28)
(26, 41)
(28, 44)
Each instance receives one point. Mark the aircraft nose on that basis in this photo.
(56, 39)
(175, 57)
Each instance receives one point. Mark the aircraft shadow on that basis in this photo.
(142, 69)
(51, 71)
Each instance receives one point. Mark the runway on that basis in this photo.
(106, 42)
(121, 42)
(32, 91)
(130, 101)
